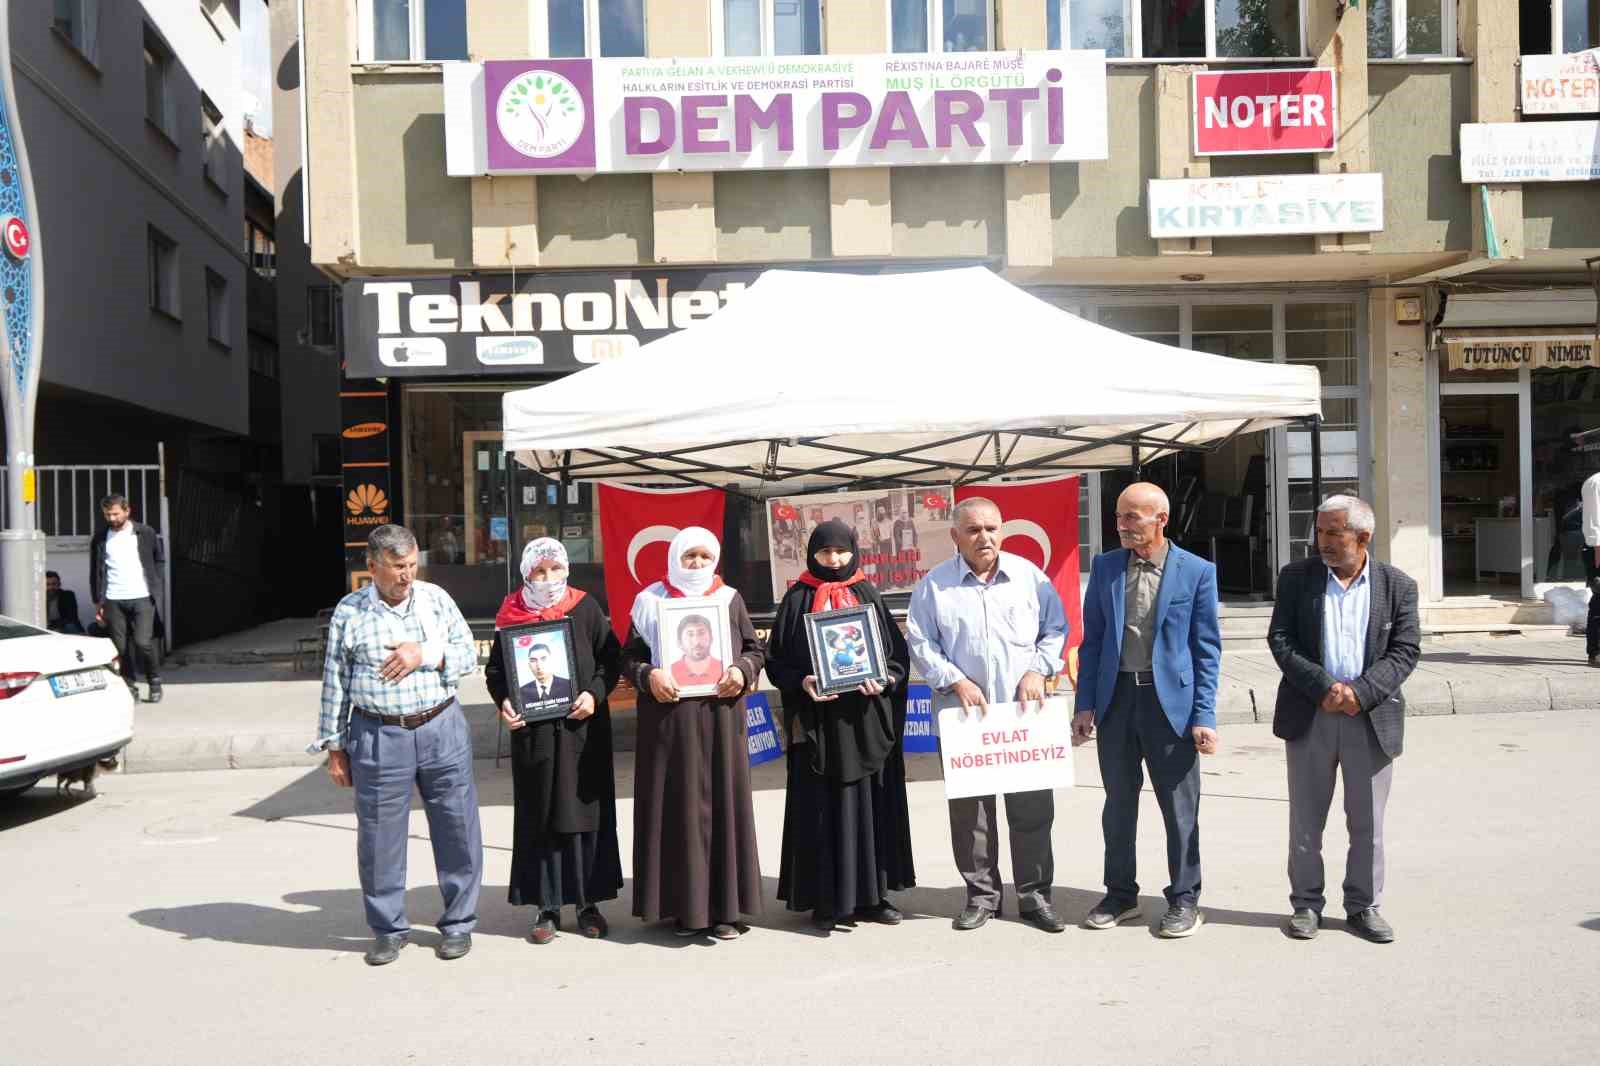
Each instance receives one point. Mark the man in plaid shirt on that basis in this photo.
(390, 718)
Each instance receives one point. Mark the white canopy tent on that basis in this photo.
(936, 377)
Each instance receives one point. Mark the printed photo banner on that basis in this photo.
(902, 533)
(555, 116)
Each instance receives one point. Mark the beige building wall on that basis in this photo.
(1398, 413)
(861, 224)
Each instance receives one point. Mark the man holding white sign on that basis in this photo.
(1147, 677)
(987, 627)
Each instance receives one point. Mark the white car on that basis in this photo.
(63, 704)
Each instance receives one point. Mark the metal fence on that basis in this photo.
(69, 497)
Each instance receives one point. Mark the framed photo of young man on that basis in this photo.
(541, 659)
(846, 648)
(694, 644)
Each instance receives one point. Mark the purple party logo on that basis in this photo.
(541, 111)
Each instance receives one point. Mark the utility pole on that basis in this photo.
(22, 548)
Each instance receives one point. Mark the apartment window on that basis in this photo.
(322, 316)
(217, 309)
(1559, 26)
(212, 137)
(1397, 29)
(1179, 29)
(770, 27)
(79, 22)
(595, 28)
(941, 25)
(163, 265)
(402, 31)
(158, 102)
(262, 250)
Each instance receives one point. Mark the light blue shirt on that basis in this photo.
(990, 633)
(1345, 612)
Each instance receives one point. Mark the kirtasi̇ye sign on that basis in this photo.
(1561, 85)
(1564, 351)
(1281, 204)
(1530, 151)
(1256, 112)
(552, 116)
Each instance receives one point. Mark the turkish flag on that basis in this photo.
(1040, 523)
(636, 525)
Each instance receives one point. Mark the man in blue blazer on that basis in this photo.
(1147, 679)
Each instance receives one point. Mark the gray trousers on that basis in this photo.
(385, 762)
(973, 839)
(1335, 743)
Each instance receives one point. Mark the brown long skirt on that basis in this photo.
(694, 844)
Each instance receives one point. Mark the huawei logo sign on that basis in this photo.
(367, 505)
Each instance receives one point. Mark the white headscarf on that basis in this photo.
(537, 595)
(689, 582)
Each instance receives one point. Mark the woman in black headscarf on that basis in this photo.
(846, 828)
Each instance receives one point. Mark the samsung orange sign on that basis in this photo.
(365, 429)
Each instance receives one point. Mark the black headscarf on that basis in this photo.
(833, 534)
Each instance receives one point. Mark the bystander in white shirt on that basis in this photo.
(124, 572)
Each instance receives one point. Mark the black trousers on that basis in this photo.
(1136, 733)
(1591, 574)
(131, 624)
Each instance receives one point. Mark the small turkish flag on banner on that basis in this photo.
(1040, 523)
(636, 525)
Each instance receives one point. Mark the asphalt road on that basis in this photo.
(214, 917)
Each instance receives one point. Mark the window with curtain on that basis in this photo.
(941, 25)
(795, 27)
(1177, 29)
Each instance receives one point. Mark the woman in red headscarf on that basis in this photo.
(846, 828)
(564, 837)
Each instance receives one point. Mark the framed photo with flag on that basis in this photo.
(846, 648)
(541, 662)
(693, 643)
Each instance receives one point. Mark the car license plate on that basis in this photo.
(82, 681)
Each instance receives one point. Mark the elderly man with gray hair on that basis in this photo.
(1345, 634)
(397, 649)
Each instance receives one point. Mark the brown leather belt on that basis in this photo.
(407, 721)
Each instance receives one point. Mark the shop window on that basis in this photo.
(1323, 335)
(594, 28)
(158, 97)
(162, 260)
(78, 21)
(941, 25)
(400, 31)
(1177, 29)
(1400, 28)
(1566, 453)
(770, 27)
(217, 310)
(1157, 322)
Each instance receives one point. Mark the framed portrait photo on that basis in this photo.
(693, 643)
(846, 649)
(540, 662)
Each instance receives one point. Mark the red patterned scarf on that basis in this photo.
(831, 595)
(514, 612)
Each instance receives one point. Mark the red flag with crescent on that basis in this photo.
(636, 525)
(1040, 523)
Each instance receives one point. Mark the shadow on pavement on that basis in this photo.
(1592, 923)
(1464, 658)
(40, 801)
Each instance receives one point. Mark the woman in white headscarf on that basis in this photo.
(694, 841)
(564, 837)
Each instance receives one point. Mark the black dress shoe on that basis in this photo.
(592, 924)
(885, 913)
(1045, 917)
(1303, 924)
(453, 946)
(1370, 925)
(155, 694)
(975, 915)
(385, 949)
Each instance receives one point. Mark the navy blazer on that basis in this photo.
(1187, 653)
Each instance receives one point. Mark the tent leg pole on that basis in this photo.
(1138, 465)
(1316, 461)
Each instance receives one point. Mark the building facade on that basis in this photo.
(1165, 168)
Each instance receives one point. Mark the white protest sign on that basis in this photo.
(1014, 747)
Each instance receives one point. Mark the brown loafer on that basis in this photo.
(591, 923)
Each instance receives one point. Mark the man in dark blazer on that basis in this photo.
(1346, 636)
(1147, 679)
(545, 684)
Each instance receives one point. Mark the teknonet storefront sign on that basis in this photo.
(1561, 85)
(546, 323)
(1282, 204)
(1264, 112)
(1563, 351)
(1530, 151)
(553, 116)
